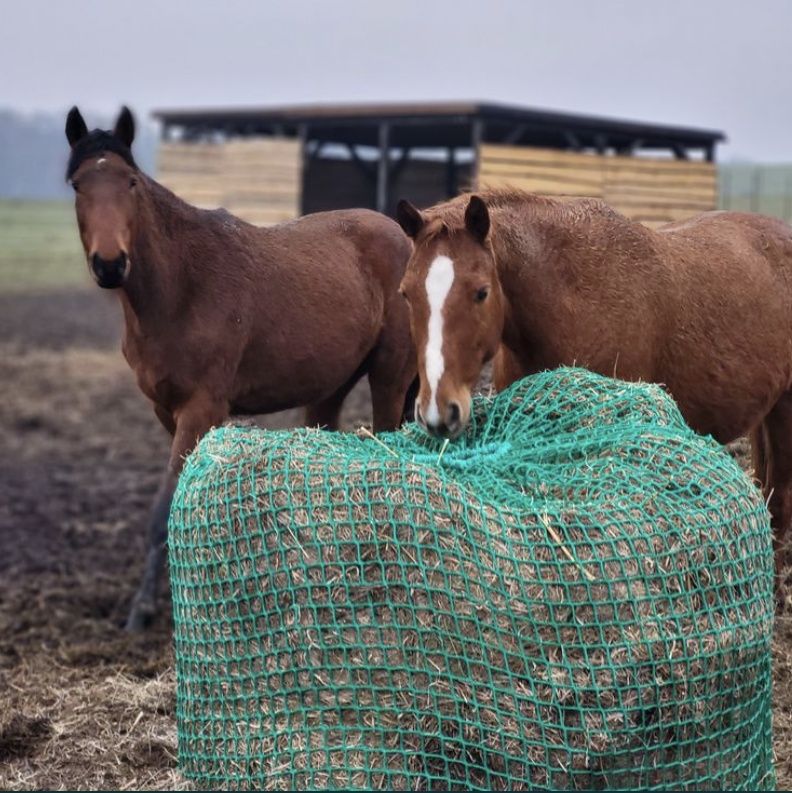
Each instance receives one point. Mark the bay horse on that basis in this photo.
(702, 306)
(223, 317)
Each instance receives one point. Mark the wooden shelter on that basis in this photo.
(272, 164)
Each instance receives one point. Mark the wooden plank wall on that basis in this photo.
(652, 191)
(257, 179)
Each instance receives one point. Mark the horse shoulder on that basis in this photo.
(359, 252)
(383, 248)
(173, 357)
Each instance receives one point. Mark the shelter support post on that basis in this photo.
(383, 167)
(452, 187)
(476, 139)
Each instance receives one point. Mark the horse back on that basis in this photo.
(731, 313)
(737, 245)
(370, 242)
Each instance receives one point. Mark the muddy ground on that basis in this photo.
(82, 704)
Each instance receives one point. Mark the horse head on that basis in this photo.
(104, 177)
(456, 311)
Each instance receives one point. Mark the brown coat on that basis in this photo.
(221, 316)
(703, 306)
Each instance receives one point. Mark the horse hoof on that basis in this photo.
(140, 617)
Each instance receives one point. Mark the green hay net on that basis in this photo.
(576, 594)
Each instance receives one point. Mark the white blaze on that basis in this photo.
(438, 284)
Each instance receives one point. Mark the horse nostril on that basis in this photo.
(109, 273)
(454, 414)
(418, 415)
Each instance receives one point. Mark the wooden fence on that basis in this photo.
(652, 191)
(257, 179)
(261, 179)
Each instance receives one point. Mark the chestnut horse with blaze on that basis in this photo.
(223, 317)
(703, 306)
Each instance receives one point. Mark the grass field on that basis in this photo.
(39, 247)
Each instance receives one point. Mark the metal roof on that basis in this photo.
(441, 124)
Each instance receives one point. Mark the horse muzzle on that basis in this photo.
(450, 425)
(110, 274)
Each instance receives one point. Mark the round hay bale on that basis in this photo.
(576, 594)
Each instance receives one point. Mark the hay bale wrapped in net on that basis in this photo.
(576, 594)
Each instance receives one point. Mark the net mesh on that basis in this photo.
(575, 594)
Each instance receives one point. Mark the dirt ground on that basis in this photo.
(82, 704)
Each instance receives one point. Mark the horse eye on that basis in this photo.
(75, 185)
(402, 293)
(132, 182)
(482, 293)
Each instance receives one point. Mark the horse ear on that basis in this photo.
(409, 218)
(477, 219)
(75, 126)
(125, 127)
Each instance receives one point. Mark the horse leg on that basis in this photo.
(143, 607)
(325, 414)
(392, 373)
(773, 455)
(408, 411)
(506, 369)
(759, 457)
(190, 423)
(166, 419)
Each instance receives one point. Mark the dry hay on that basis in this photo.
(575, 595)
(113, 733)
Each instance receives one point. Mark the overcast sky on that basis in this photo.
(723, 64)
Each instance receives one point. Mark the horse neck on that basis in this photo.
(520, 251)
(543, 246)
(159, 277)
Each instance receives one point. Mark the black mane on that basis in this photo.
(98, 142)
